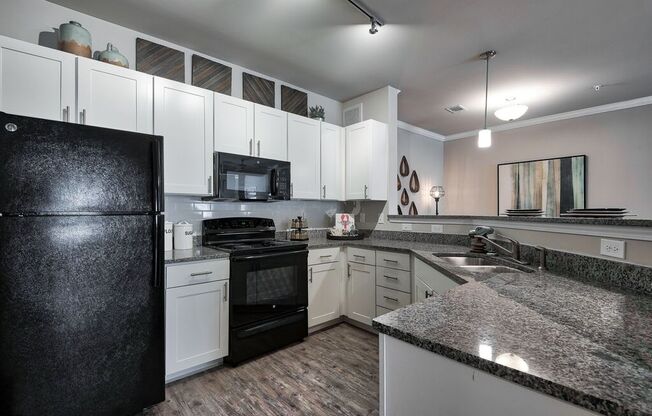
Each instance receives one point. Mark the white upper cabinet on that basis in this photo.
(36, 81)
(367, 161)
(114, 97)
(332, 162)
(183, 115)
(234, 125)
(270, 132)
(303, 155)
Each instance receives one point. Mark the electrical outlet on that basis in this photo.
(406, 227)
(363, 217)
(612, 248)
(436, 228)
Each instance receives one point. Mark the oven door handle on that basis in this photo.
(267, 256)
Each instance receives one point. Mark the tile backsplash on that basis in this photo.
(320, 214)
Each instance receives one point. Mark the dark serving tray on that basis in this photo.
(342, 237)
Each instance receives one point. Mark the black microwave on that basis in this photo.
(248, 178)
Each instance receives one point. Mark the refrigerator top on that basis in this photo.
(55, 168)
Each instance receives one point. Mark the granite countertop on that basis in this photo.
(405, 246)
(626, 222)
(197, 253)
(581, 343)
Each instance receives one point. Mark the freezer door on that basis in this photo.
(48, 166)
(81, 315)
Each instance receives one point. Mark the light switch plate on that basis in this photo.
(406, 227)
(436, 228)
(612, 248)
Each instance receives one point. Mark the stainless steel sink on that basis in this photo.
(468, 261)
(477, 264)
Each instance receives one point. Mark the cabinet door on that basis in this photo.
(435, 280)
(183, 114)
(196, 325)
(358, 153)
(421, 290)
(332, 162)
(234, 125)
(323, 293)
(36, 81)
(114, 97)
(270, 132)
(304, 154)
(361, 292)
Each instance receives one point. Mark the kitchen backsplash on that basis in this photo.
(320, 214)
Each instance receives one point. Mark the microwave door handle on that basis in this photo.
(274, 182)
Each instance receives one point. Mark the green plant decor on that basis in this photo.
(317, 112)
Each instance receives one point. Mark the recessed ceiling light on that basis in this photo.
(597, 87)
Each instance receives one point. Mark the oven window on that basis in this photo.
(276, 286)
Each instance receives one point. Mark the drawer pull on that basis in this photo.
(359, 256)
(430, 293)
(392, 299)
(391, 261)
(390, 277)
(200, 274)
(326, 256)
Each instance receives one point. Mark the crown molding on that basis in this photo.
(421, 132)
(622, 105)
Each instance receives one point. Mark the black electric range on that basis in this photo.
(268, 286)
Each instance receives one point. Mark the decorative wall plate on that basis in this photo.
(398, 183)
(414, 182)
(413, 209)
(159, 60)
(405, 199)
(404, 168)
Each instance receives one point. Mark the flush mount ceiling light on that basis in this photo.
(375, 21)
(511, 112)
(484, 135)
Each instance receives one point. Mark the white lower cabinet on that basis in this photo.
(428, 281)
(421, 290)
(323, 293)
(361, 292)
(196, 317)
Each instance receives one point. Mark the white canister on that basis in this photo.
(182, 235)
(168, 235)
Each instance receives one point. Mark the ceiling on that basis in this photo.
(550, 53)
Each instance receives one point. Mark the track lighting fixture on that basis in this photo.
(376, 21)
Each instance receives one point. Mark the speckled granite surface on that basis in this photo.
(581, 343)
(197, 253)
(627, 222)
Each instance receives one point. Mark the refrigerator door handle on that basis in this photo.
(159, 233)
(156, 176)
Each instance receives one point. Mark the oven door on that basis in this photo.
(267, 286)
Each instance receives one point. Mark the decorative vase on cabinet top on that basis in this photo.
(73, 38)
(113, 56)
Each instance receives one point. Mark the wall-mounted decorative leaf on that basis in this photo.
(404, 168)
(400, 211)
(405, 199)
(414, 182)
(413, 209)
(398, 183)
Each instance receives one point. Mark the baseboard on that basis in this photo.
(193, 370)
(325, 325)
(359, 325)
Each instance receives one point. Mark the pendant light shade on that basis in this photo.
(511, 112)
(484, 138)
(484, 135)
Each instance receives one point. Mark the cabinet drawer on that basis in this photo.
(393, 260)
(361, 255)
(323, 255)
(393, 278)
(196, 272)
(382, 311)
(391, 299)
(436, 280)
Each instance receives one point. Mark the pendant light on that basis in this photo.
(484, 135)
(511, 112)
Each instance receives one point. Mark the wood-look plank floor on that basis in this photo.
(333, 372)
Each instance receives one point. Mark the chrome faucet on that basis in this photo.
(481, 233)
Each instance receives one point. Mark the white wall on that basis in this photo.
(618, 146)
(425, 155)
(35, 21)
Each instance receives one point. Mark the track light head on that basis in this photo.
(374, 27)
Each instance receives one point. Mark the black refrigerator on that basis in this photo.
(81, 269)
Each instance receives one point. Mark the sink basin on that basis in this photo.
(468, 261)
(491, 269)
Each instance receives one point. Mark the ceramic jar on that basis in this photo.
(73, 38)
(113, 56)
